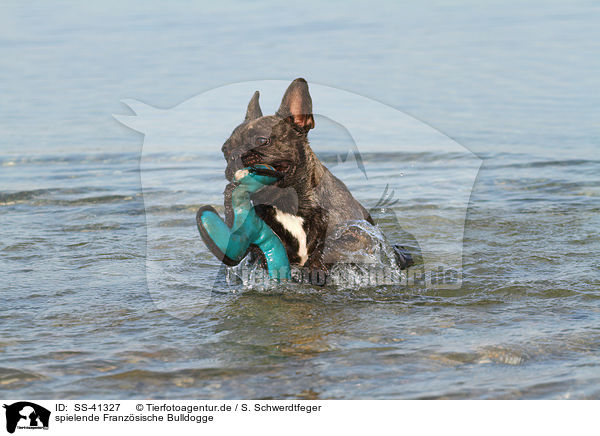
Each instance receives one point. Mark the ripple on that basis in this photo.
(11, 378)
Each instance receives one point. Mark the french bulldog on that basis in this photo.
(308, 206)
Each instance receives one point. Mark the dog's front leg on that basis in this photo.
(316, 231)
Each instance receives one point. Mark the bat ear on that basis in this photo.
(296, 105)
(253, 111)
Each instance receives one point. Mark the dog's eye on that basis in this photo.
(261, 140)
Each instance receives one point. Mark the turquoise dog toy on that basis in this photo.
(231, 244)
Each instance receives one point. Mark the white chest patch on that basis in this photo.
(293, 224)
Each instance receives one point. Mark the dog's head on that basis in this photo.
(278, 140)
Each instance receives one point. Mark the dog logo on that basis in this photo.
(430, 175)
(26, 415)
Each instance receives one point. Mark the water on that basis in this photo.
(512, 83)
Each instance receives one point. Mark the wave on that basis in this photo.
(48, 197)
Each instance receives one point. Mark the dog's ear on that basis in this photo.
(253, 111)
(296, 105)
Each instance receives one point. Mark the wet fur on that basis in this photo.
(308, 190)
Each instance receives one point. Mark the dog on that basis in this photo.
(308, 206)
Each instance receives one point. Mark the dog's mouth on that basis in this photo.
(282, 166)
(253, 158)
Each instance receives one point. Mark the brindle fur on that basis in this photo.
(308, 189)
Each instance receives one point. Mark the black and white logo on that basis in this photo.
(26, 415)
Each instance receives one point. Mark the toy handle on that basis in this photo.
(230, 243)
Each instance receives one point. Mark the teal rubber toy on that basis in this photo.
(231, 244)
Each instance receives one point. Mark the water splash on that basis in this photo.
(366, 267)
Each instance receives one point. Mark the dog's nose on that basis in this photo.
(226, 150)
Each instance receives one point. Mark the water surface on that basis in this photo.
(513, 83)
